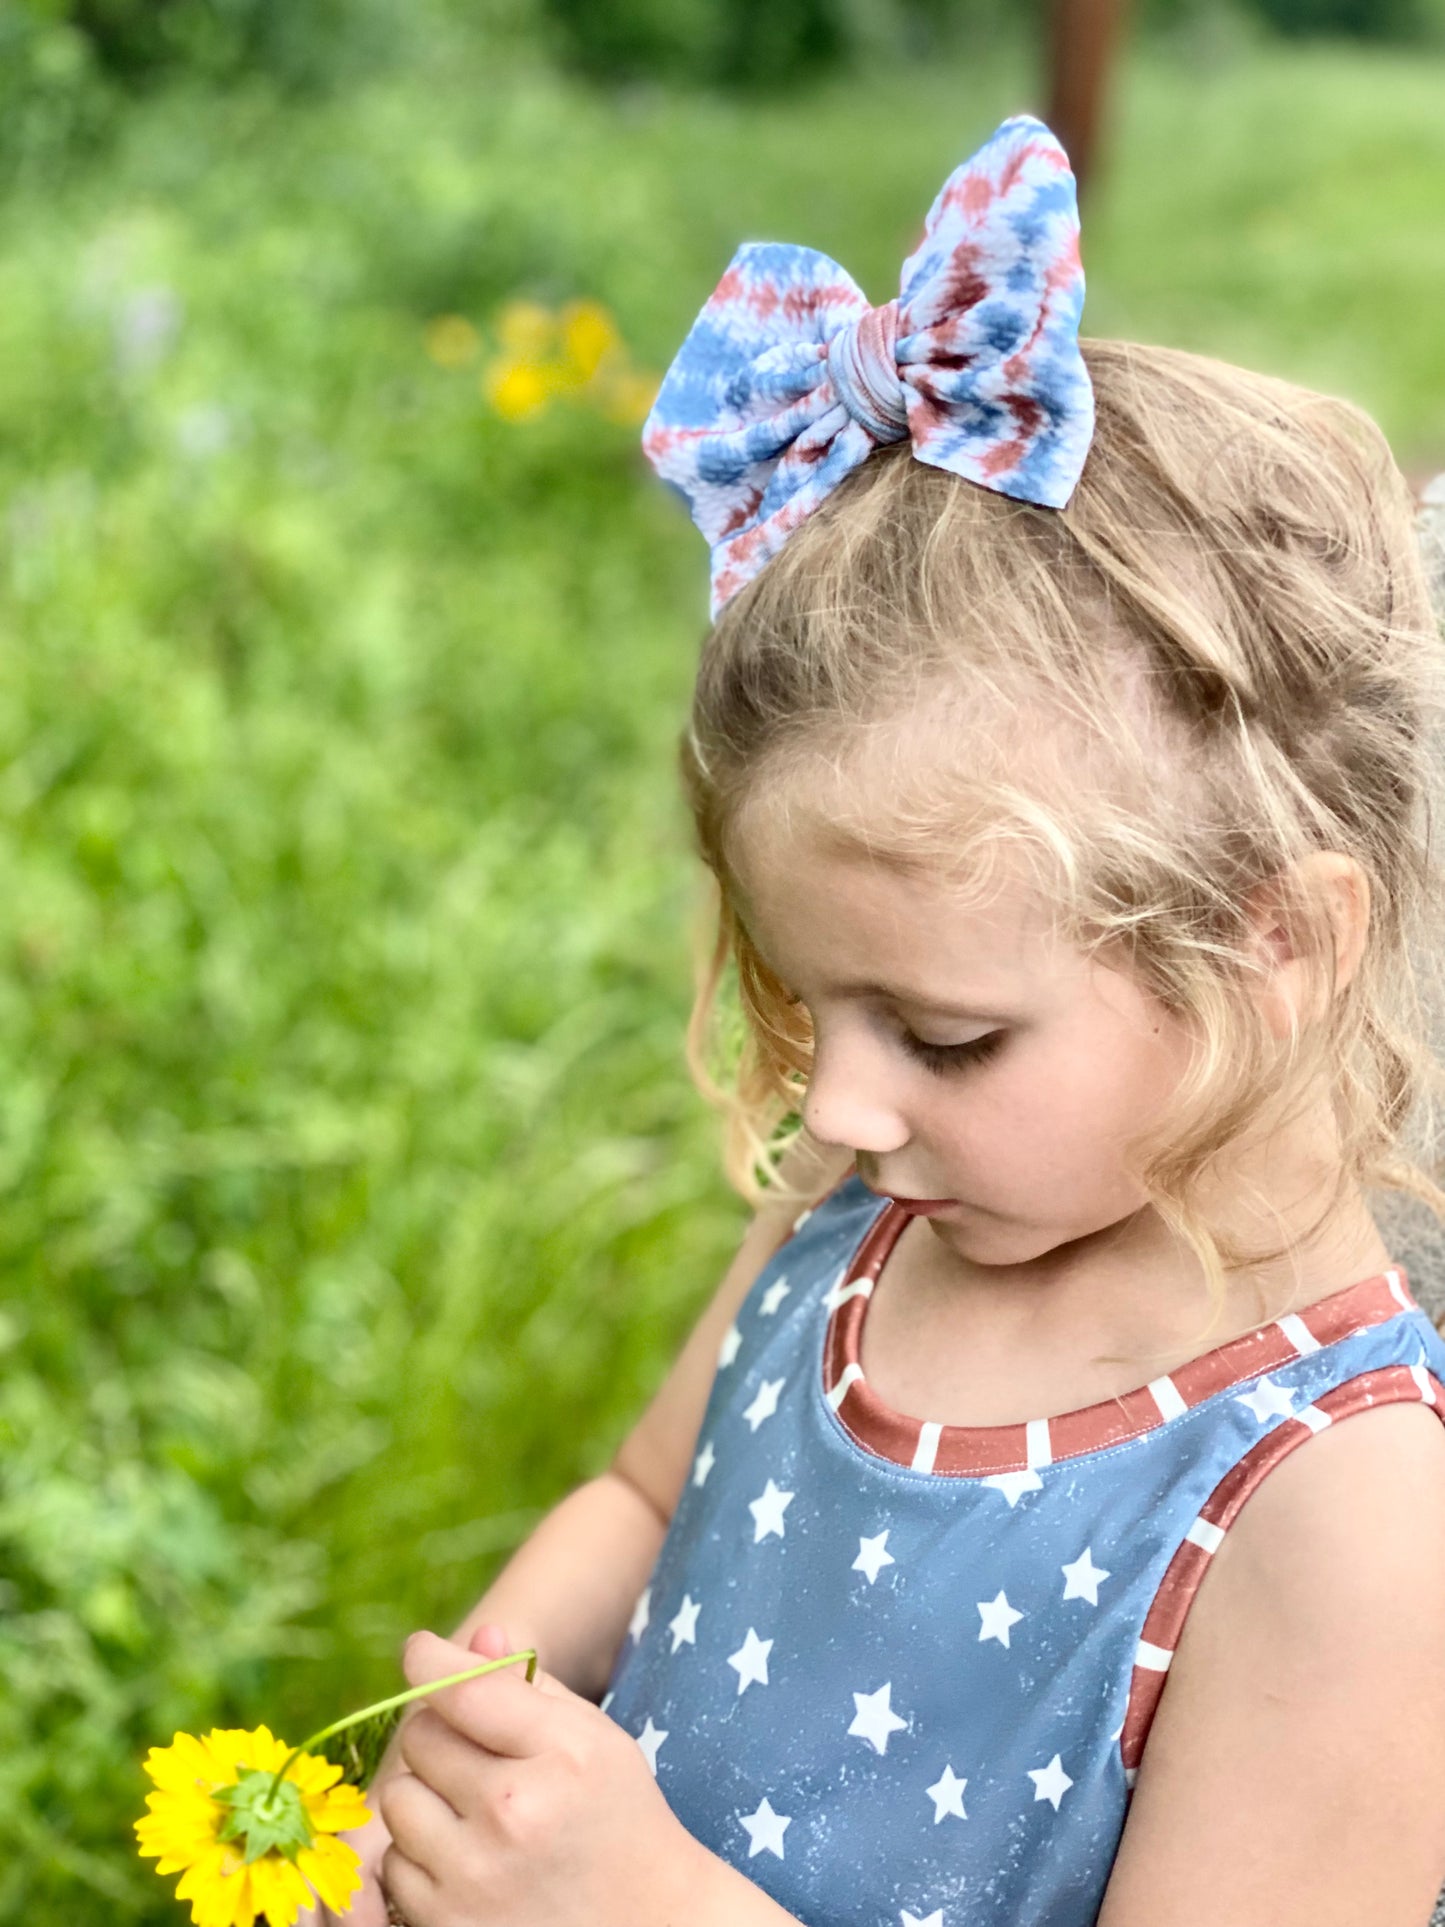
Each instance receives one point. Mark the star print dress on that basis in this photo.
(902, 1674)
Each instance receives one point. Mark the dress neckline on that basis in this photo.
(1019, 1450)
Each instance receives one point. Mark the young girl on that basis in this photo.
(1048, 1525)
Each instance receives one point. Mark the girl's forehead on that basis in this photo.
(828, 910)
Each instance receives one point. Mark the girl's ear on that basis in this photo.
(1292, 993)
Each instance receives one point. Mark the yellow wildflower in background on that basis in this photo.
(517, 389)
(248, 1847)
(589, 336)
(575, 351)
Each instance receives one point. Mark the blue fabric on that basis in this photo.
(797, 1675)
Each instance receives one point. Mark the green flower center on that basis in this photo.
(265, 1816)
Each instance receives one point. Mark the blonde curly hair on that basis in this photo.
(1222, 658)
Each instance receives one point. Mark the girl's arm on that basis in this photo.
(1295, 1772)
(571, 1587)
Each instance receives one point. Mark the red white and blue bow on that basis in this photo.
(789, 379)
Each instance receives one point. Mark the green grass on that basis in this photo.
(354, 1196)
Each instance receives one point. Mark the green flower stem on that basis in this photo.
(529, 1653)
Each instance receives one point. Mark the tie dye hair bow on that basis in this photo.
(789, 379)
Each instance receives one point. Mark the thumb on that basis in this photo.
(490, 1642)
(494, 1642)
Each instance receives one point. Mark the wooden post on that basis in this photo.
(1083, 38)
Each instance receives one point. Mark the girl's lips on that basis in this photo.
(924, 1207)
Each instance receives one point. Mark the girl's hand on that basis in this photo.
(524, 1806)
(369, 1907)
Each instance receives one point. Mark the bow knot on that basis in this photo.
(789, 379)
(862, 360)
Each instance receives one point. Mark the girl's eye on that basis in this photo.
(953, 1057)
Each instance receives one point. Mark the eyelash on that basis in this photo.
(942, 1058)
(952, 1057)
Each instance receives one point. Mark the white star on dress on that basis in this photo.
(935, 1919)
(947, 1796)
(751, 1662)
(768, 1512)
(683, 1624)
(1268, 1401)
(1050, 1782)
(703, 1464)
(873, 1556)
(766, 1830)
(765, 1403)
(1013, 1485)
(728, 1350)
(997, 1616)
(875, 1718)
(773, 1297)
(649, 1739)
(1083, 1578)
(641, 1613)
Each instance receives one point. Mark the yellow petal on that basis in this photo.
(313, 1774)
(227, 1753)
(181, 1764)
(265, 1751)
(279, 1890)
(333, 1868)
(174, 1837)
(337, 1811)
(219, 1889)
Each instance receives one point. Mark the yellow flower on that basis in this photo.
(451, 340)
(574, 351)
(517, 389)
(589, 337)
(244, 1853)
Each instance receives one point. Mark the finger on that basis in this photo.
(422, 1824)
(499, 1711)
(454, 1768)
(489, 1642)
(410, 1889)
(421, 1668)
(425, 1657)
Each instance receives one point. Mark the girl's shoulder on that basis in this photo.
(1301, 1717)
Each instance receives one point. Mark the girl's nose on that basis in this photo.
(848, 1104)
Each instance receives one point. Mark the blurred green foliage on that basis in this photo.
(1364, 19)
(352, 1195)
(139, 40)
(64, 47)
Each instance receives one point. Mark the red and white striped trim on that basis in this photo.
(926, 1445)
(1388, 1385)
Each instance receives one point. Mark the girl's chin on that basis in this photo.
(987, 1238)
(983, 1237)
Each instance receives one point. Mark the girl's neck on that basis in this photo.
(980, 1345)
(1137, 1289)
